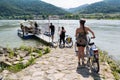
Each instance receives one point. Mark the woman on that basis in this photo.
(80, 35)
(62, 36)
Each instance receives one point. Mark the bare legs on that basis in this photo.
(81, 54)
(52, 37)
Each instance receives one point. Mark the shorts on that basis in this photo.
(52, 33)
(79, 45)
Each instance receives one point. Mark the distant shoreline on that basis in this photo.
(60, 19)
(98, 16)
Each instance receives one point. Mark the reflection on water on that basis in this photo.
(107, 33)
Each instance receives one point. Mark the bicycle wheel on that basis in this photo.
(95, 65)
(69, 42)
(60, 45)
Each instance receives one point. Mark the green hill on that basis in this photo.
(28, 7)
(76, 9)
(105, 6)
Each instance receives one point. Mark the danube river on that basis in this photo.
(107, 33)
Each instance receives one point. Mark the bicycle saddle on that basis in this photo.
(92, 43)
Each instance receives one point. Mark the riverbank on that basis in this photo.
(114, 66)
(60, 64)
(17, 59)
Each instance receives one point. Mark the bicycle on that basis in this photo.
(68, 42)
(92, 55)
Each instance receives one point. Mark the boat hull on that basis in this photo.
(24, 35)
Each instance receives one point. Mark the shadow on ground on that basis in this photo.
(86, 73)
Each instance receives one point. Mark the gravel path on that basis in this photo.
(59, 64)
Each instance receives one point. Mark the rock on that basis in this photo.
(59, 76)
(40, 47)
(13, 77)
(50, 77)
(18, 58)
(1, 51)
(11, 59)
(36, 55)
(24, 62)
(45, 62)
(1, 55)
(16, 62)
(15, 49)
(43, 52)
(27, 58)
(2, 58)
(35, 74)
(51, 71)
(22, 53)
(5, 72)
(5, 50)
(68, 77)
(8, 63)
(38, 78)
(26, 78)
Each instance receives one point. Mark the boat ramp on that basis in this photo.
(44, 37)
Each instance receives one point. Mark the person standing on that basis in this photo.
(62, 36)
(81, 37)
(36, 28)
(52, 29)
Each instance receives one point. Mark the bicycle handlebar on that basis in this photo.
(92, 37)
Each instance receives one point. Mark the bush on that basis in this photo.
(11, 53)
(47, 50)
(16, 67)
(31, 61)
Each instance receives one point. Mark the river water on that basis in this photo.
(107, 33)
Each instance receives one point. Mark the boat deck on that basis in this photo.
(47, 39)
(44, 38)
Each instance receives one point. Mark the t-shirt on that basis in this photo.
(52, 27)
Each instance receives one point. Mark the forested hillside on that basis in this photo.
(28, 7)
(105, 6)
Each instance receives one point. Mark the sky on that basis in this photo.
(70, 3)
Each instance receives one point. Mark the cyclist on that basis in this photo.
(81, 37)
(62, 36)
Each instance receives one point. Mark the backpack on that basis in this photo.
(82, 39)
